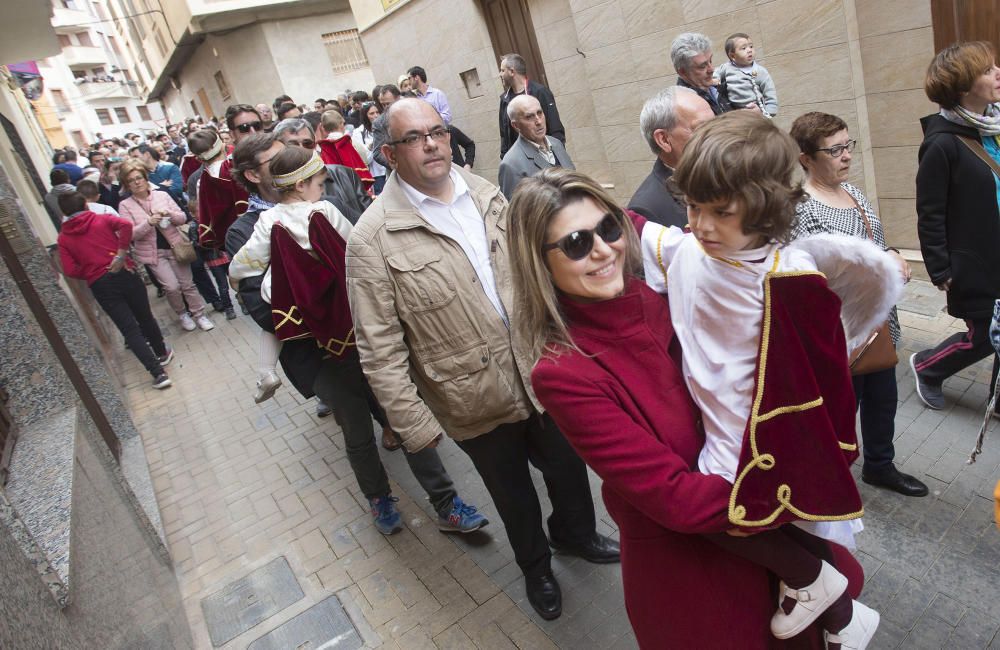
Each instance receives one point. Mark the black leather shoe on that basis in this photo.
(544, 595)
(599, 549)
(895, 480)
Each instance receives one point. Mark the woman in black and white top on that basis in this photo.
(834, 206)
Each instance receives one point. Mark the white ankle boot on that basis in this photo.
(811, 601)
(858, 632)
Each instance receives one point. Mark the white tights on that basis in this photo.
(270, 348)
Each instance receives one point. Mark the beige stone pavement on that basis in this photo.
(240, 484)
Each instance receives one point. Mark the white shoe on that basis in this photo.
(187, 322)
(811, 601)
(858, 632)
(204, 323)
(266, 386)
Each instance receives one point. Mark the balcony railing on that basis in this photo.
(67, 21)
(80, 56)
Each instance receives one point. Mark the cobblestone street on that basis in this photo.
(240, 485)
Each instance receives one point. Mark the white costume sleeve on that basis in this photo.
(659, 244)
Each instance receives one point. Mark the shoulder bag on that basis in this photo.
(877, 352)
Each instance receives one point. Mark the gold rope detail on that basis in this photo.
(795, 408)
(659, 253)
(287, 317)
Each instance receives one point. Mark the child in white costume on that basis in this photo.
(737, 175)
(298, 174)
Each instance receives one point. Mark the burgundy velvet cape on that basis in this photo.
(342, 152)
(220, 201)
(800, 438)
(309, 291)
(624, 407)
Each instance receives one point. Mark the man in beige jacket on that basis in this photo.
(430, 290)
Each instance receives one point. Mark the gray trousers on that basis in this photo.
(342, 386)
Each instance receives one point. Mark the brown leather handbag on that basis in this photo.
(878, 351)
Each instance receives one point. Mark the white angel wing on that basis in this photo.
(867, 280)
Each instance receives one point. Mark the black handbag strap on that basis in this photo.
(976, 147)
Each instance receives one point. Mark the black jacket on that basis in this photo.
(343, 189)
(957, 218)
(460, 141)
(654, 201)
(719, 106)
(553, 126)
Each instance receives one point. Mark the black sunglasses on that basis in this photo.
(245, 128)
(578, 244)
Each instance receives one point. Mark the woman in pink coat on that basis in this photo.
(156, 217)
(609, 374)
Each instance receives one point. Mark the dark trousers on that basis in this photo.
(123, 297)
(793, 555)
(220, 274)
(203, 281)
(956, 352)
(342, 386)
(876, 394)
(501, 457)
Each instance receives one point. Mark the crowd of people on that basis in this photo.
(704, 350)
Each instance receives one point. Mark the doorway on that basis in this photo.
(965, 20)
(511, 30)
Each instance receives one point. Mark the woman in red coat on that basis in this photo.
(608, 372)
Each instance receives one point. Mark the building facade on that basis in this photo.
(202, 56)
(863, 60)
(93, 89)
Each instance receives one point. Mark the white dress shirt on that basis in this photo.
(460, 220)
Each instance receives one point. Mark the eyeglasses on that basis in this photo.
(578, 244)
(134, 179)
(249, 126)
(837, 151)
(417, 139)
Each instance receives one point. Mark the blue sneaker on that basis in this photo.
(463, 518)
(387, 518)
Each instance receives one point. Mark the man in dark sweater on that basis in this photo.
(691, 54)
(94, 247)
(514, 75)
(667, 121)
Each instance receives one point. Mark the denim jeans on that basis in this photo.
(342, 386)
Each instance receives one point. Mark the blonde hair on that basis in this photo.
(332, 120)
(742, 155)
(535, 204)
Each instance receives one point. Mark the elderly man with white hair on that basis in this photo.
(667, 122)
(533, 151)
(691, 54)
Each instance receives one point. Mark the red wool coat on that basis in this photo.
(624, 407)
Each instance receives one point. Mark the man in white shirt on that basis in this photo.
(533, 150)
(430, 289)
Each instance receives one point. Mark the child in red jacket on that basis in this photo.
(94, 247)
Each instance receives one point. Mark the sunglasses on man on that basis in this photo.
(247, 127)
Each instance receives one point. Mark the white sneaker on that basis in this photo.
(187, 322)
(266, 386)
(811, 601)
(204, 323)
(858, 632)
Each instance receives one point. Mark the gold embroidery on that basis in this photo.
(766, 462)
(659, 253)
(287, 317)
(341, 345)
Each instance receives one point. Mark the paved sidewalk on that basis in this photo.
(240, 485)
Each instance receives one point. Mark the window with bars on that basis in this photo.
(144, 113)
(122, 114)
(104, 115)
(345, 50)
